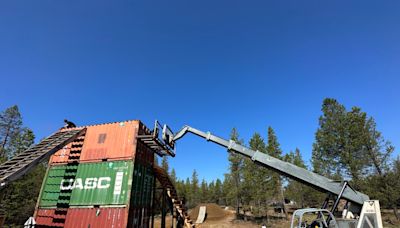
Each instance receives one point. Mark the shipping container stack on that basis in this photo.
(103, 179)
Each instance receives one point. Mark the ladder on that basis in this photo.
(166, 183)
(22, 163)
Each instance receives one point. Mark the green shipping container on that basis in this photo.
(51, 193)
(143, 181)
(103, 183)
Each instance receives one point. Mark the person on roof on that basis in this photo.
(69, 124)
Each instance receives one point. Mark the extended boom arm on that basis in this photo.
(305, 176)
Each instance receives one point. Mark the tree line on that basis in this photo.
(18, 199)
(348, 146)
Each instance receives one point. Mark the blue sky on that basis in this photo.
(214, 65)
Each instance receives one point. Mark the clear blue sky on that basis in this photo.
(214, 65)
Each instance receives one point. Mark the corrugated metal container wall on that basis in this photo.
(69, 153)
(114, 183)
(142, 186)
(144, 154)
(116, 141)
(62, 155)
(83, 217)
(97, 217)
(104, 183)
(48, 217)
(114, 172)
(142, 189)
(51, 192)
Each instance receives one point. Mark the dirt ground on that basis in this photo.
(217, 217)
(214, 212)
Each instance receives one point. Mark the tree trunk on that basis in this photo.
(237, 198)
(3, 145)
(396, 212)
(283, 201)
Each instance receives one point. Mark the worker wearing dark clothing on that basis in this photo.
(69, 124)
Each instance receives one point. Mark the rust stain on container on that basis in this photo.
(106, 142)
(49, 217)
(62, 155)
(115, 141)
(69, 153)
(83, 217)
(97, 217)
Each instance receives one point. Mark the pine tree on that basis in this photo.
(188, 190)
(19, 197)
(273, 149)
(212, 195)
(164, 164)
(22, 141)
(329, 138)
(347, 144)
(256, 177)
(228, 197)
(235, 175)
(386, 188)
(204, 192)
(194, 189)
(297, 191)
(10, 129)
(379, 149)
(172, 176)
(218, 192)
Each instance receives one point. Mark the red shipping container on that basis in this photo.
(97, 217)
(49, 217)
(107, 142)
(114, 141)
(62, 155)
(69, 153)
(84, 217)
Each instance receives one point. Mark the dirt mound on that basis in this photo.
(213, 212)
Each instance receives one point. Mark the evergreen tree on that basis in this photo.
(172, 176)
(164, 164)
(328, 138)
(386, 188)
(212, 196)
(302, 194)
(188, 191)
(256, 177)
(10, 129)
(235, 175)
(273, 149)
(19, 197)
(379, 149)
(181, 188)
(218, 192)
(194, 189)
(347, 144)
(203, 192)
(22, 141)
(228, 197)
